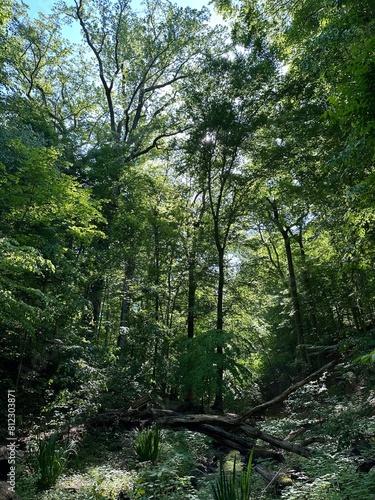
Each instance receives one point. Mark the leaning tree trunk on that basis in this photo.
(292, 286)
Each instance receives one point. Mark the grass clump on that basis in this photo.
(233, 486)
(49, 460)
(147, 444)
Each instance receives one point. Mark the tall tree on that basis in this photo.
(227, 116)
(142, 63)
(48, 221)
(326, 49)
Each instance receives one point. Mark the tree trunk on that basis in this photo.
(295, 299)
(125, 303)
(95, 295)
(218, 404)
(310, 297)
(157, 300)
(192, 288)
(293, 290)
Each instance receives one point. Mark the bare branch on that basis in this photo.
(154, 144)
(165, 84)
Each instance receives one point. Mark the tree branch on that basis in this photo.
(154, 144)
(281, 397)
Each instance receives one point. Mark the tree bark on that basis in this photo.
(306, 281)
(295, 298)
(156, 269)
(192, 288)
(95, 295)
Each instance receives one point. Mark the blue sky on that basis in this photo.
(73, 32)
(46, 5)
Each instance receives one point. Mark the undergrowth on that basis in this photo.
(49, 460)
(107, 463)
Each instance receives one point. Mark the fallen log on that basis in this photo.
(239, 436)
(282, 478)
(217, 426)
(232, 431)
(226, 438)
(274, 441)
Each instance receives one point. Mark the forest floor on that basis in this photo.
(338, 429)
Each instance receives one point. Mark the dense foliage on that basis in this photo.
(186, 211)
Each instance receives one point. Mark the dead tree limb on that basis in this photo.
(313, 439)
(295, 433)
(233, 431)
(281, 397)
(274, 441)
(273, 478)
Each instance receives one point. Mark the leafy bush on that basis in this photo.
(233, 486)
(77, 386)
(147, 444)
(367, 358)
(163, 483)
(109, 483)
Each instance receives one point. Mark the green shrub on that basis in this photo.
(147, 445)
(109, 483)
(162, 482)
(233, 486)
